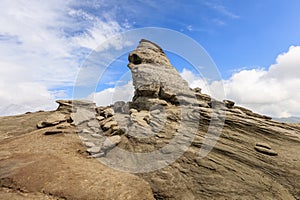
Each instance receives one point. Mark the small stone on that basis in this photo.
(228, 103)
(108, 112)
(123, 130)
(118, 106)
(147, 119)
(115, 128)
(94, 150)
(109, 125)
(100, 118)
(106, 120)
(85, 131)
(97, 155)
(89, 144)
(168, 149)
(197, 90)
(132, 110)
(111, 142)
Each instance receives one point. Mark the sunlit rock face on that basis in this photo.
(154, 78)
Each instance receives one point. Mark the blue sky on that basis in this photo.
(255, 45)
(235, 33)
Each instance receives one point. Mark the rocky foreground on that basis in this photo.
(170, 142)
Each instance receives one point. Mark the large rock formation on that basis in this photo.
(155, 80)
(173, 142)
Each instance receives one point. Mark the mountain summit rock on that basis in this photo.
(151, 147)
(155, 80)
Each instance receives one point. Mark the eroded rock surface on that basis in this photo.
(51, 162)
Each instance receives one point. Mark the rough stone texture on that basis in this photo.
(111, 142)
(155, 78)
(254, 157)
(52, 120)
(38, 166)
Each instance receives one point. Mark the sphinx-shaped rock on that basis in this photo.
(155, 80)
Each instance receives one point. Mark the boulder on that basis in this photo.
(110, 142)
(155, 78)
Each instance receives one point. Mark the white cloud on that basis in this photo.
(274, 92)
(42, 44)
(194, 80)
(22, 97)
(222, 9)
(111, 95)
(97, 34)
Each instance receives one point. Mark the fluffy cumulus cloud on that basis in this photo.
(111, 95)
(274, 91)
(42, 44)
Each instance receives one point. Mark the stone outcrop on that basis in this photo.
(155, 80)
(180, 142)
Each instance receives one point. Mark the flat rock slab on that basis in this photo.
(52, 120)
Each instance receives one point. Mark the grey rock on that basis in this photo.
(100, 118)
(82, 115)
(118, 106)
(111, 142)
(109, 125)
(105, 112)
(94, 149)
(197, 90)
(155, 78)
(89, 144)
(228, 103)
(93, 123)
(98, 155)
(85, 131)
(96, 135)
